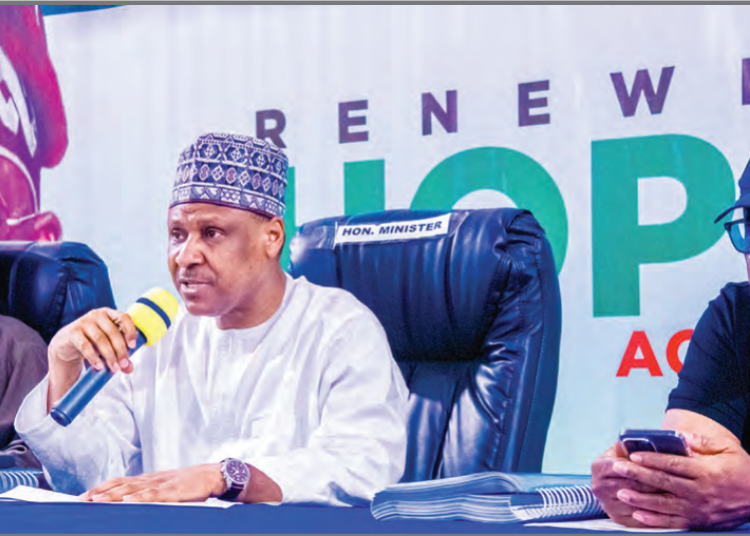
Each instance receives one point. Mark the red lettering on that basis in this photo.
(639, 341)
(673, 357)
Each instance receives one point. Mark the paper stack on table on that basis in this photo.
(29, 494)
(493, 497)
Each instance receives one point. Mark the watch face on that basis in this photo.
(237, 471)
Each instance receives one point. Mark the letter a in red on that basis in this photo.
(639, 340)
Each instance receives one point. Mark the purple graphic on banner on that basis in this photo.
(346, 121)
(33, 129)
(447, 117)
(745, 81)
(526, 103)
(642, 85)
(264, 132)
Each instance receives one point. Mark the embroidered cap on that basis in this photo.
(234, 171)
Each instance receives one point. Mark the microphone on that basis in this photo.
(152, 315)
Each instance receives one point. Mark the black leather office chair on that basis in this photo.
(473, 318)
(47, 285)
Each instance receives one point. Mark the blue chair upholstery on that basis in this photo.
(473, 318)
(47, 285)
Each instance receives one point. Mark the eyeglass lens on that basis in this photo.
(738, 232)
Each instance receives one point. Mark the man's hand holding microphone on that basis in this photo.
(105, 338)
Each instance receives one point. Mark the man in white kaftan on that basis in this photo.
(310, 398)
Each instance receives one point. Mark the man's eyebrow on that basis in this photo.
(213, 221)
(202, 220)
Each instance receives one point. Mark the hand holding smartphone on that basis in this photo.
(664, 441)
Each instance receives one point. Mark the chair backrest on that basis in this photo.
(471, 304)
(47, 285)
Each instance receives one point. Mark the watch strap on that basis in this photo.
(234, 488)
(231, 494)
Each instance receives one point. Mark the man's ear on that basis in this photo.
(275, 235)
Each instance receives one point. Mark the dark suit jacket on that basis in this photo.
(23, 364)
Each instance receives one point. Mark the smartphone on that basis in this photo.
(664, 441)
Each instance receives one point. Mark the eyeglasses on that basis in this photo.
(739, 233)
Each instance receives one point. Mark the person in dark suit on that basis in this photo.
(23, 363)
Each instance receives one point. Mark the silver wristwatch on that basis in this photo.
(237, 475)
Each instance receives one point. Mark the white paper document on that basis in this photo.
(28, 494)
(598, 525)
(602, 525)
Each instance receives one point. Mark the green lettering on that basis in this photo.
(290, 218)
(619, 245)
(364, 186)
(513, 173)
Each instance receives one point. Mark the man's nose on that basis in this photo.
(190, 253)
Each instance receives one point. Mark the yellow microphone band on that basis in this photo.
(165, 300)
(153, 314)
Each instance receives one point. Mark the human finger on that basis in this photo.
(126, 325)
(116, 493)
(126, 366)
(662, 503)
(86, 349)
(605, 477)
(684, 466)
(109, 339)
(707, 445)
(602, 466)
(606, 482)
(105, 487)
(165, 491)
(88, 341)
(145, 495)
(129, 335)
(628, 483)
(619, 511)
(625, 518)
(653, 519)
(608, 488)
(660, 480)
(114, 483)
(72, 343)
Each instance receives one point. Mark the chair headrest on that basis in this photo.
(47, 285)
(436, 291)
